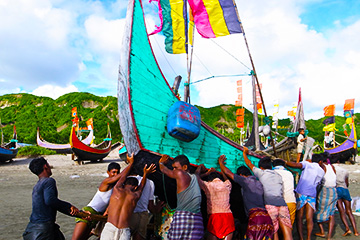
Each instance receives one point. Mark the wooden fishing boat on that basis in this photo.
(61, 148)
(347, 150)
(86, 152)
(144, 99)
(9, 150)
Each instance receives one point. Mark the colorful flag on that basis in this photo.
(330, 127)
(240, 112)
(240, 124)
(329, 120)
(349, 121)
(237, 103)
(239, 90)
(174, 26)
(258, 97)
(240, 118)
(329, 110)
(348, 114)
(215, 18)
(291, 113)
(259, 107)
(349, 104)
(89, 123)
(74, 112)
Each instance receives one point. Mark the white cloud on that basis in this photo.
(105, 37)
(53, 91)
(36, 49)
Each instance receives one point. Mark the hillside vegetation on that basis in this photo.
(53, 117)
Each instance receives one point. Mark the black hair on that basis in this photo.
(300, 129)
(113, 165)
(242, 170)
(36, 165)
(265, 163)
(214, 175)
(278, 162)
(131, 181)
(316, 158)
(183, 160)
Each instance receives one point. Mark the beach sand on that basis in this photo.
(77, 184)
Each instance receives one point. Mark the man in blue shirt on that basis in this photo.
(45, 204)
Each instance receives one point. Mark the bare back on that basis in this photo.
(122, 204)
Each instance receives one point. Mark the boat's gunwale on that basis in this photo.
(353, 135)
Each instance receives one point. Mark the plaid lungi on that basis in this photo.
(326, 203)
(186, 225)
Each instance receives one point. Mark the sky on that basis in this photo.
(53, 47)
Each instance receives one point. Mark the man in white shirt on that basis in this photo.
(288, 186)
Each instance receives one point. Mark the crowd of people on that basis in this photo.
(271, 201)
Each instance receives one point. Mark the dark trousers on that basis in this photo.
(43, 231)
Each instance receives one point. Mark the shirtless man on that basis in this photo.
(100, 201)
(122, 203)
(188, 200)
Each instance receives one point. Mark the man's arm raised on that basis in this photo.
(224, 170)
(147, 171)
(247, 160)
(126, 171)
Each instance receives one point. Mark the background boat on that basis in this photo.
(9, 150)
(61, 148)
(86, 152)
(345, 151)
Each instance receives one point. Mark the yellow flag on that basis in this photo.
(330, 127)
(349, 120)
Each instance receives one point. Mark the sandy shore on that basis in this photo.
(77, 184)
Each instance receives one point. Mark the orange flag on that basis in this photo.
(291, 113)
(238, 104)
(240, 124)
(349, 104)
(240, 112)
(74, 112)
(329, 110)
(90, 123)
(240, 118)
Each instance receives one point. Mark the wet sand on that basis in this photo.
(77, 184)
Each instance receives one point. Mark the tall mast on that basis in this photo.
(254, 77)
(2, 135)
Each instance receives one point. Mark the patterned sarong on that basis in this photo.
(326, 203)
(279, 214)
(186, 225)
(260, 225)
(302, 200)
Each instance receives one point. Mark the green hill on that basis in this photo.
(53, 117)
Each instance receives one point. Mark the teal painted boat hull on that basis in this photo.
(144, 98)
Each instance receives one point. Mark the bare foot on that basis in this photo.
(348, 232)
(356, 234)
(320, 234)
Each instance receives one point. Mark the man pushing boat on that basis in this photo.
(122, 203)
(188, 200)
